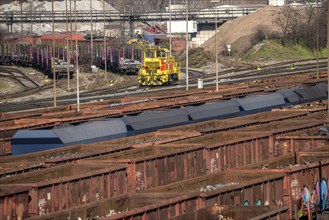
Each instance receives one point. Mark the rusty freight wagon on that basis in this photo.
(59, 188)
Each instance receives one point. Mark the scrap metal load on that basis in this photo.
(61, 66)
(129, 66)
(158, 68)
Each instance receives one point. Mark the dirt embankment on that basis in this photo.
(239, 32)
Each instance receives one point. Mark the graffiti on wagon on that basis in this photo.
(316, 197)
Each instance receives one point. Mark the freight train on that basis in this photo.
(28, 141)
(154, 66)
(122, 60)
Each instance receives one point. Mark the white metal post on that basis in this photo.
(53, 52)
(105, 55)
(186, 45)
(216, 46)
(170, 27)
(77, 56)
(67, 49)
(91, 33)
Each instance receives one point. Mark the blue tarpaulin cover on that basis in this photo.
(149, 121)
(253, 104)
(91, 132)
(217, 110)
(28, 141)
(291, 97)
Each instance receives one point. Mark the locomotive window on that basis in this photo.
(149, 54)
(161, 54)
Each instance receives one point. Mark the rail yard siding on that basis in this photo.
(47, 196)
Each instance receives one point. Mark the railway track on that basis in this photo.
(268, 71)
(20, 77)
(29, 86)
(231, 75)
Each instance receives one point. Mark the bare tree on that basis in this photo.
(287, 20)
(262, 32)
(300, 25)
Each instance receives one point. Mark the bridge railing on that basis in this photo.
(11, 17)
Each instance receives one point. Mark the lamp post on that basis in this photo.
(31, 23)
(53, 52)
(91, 33)
(216, 46)
(170, 27)
(105, 55)
(77, 56)
(186, 45)
(216, 51)
(67, 49)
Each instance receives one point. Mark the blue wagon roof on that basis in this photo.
(157, 119)
(23, 134)
(214, 110)
(261, 101)
(90, 130)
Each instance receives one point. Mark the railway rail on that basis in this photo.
(269, 71)
(226, 76)
(20, 77)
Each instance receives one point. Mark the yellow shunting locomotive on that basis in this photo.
(158, 68)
